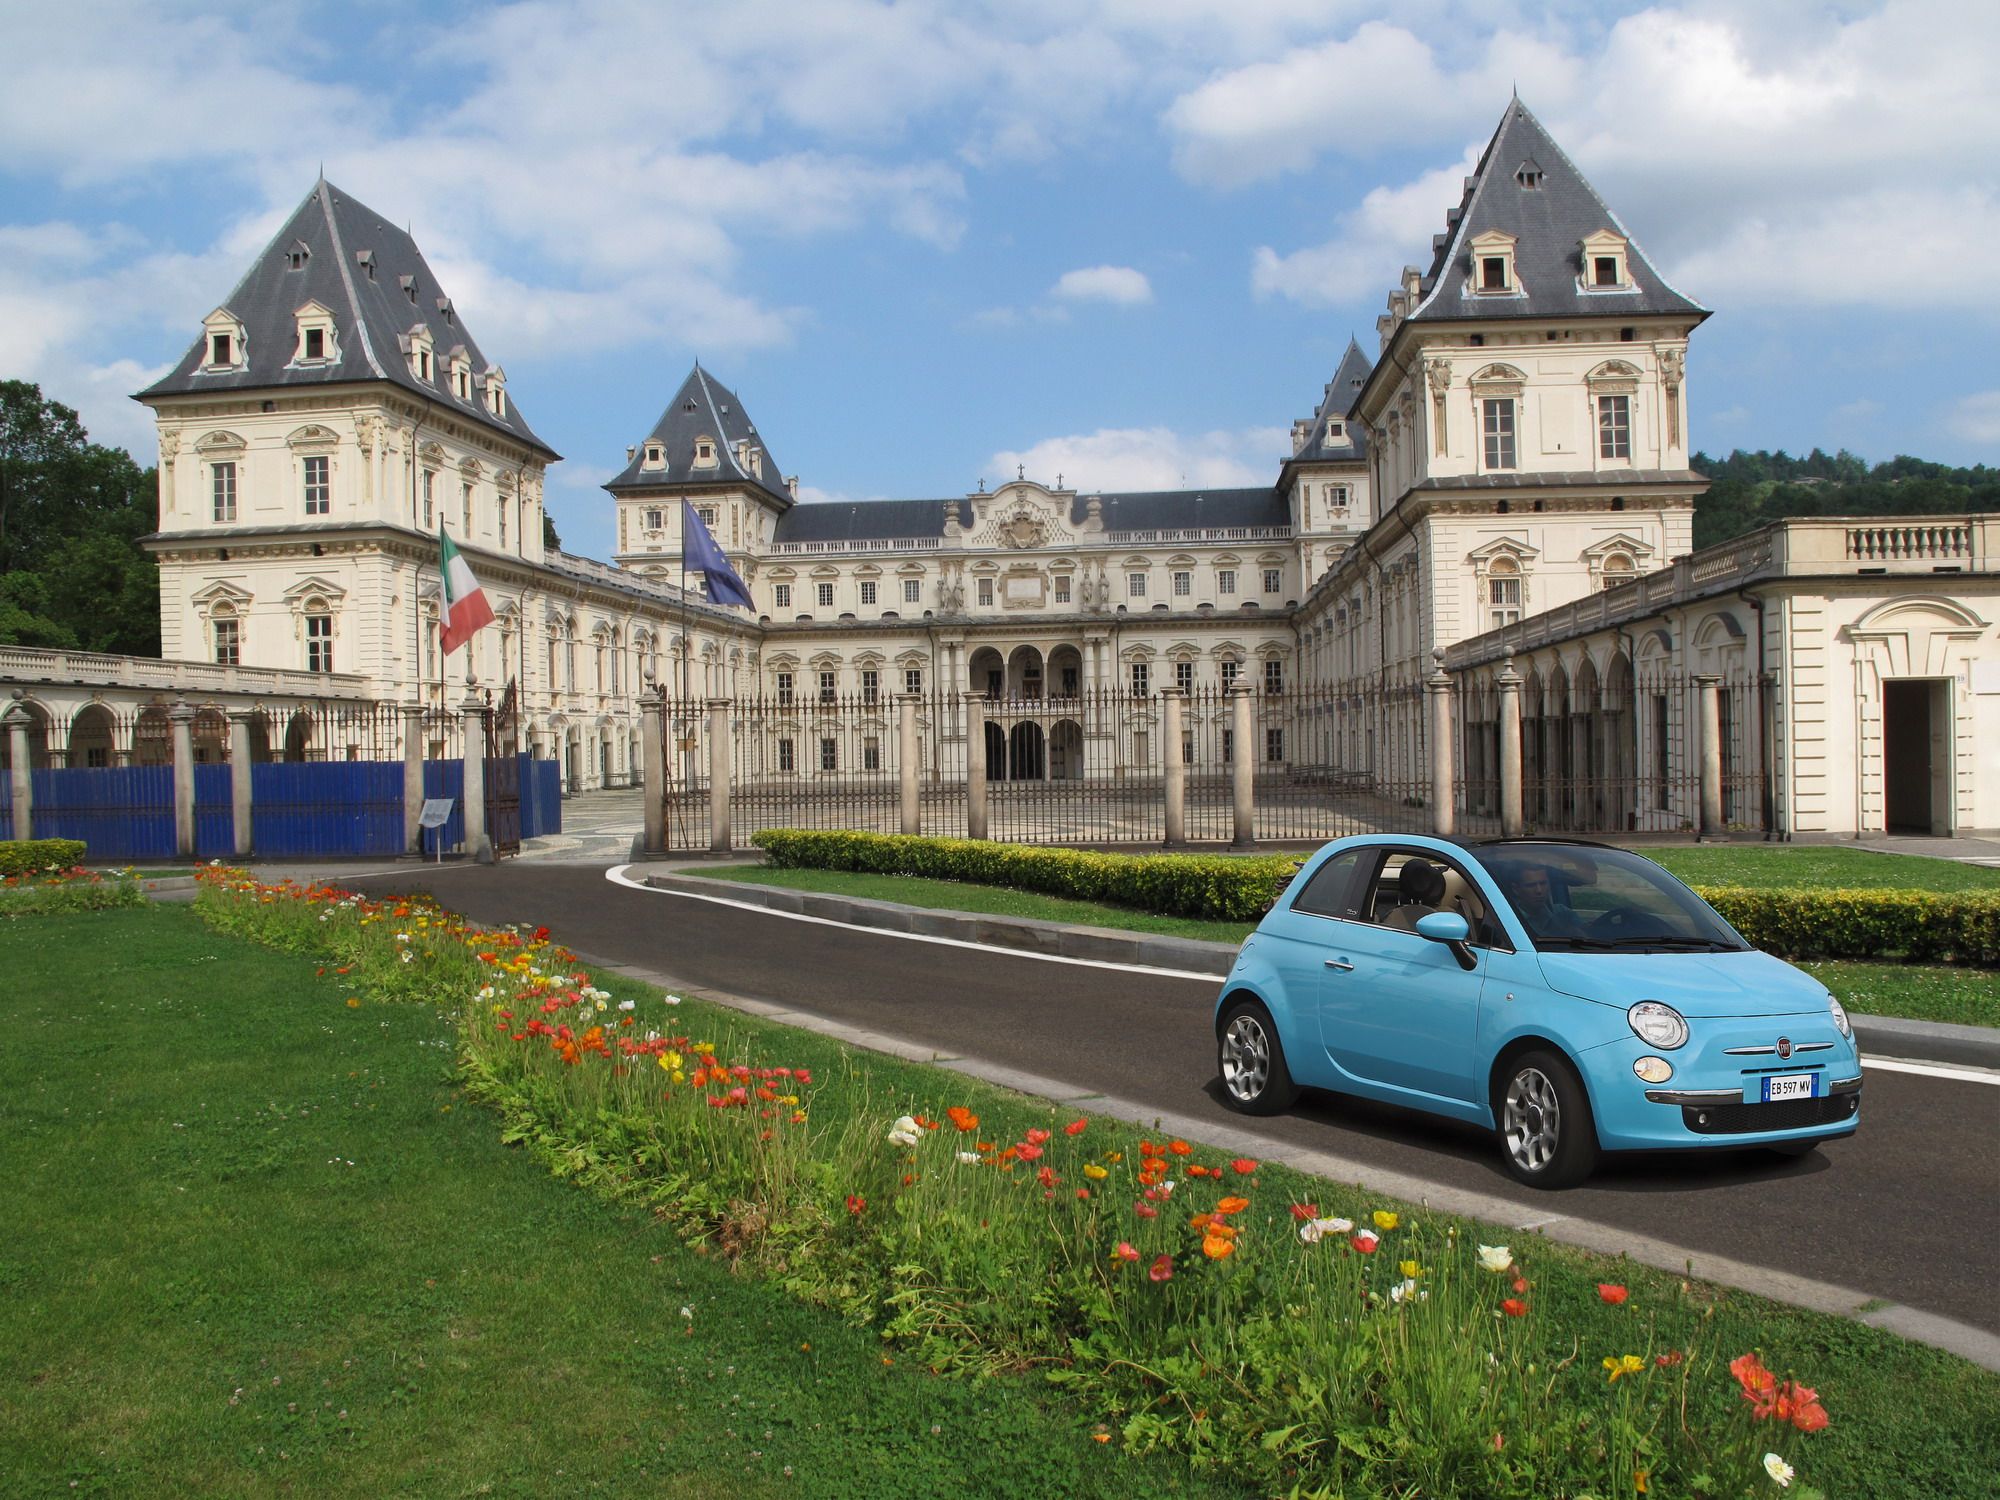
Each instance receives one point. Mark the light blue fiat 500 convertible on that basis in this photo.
(1572, 998)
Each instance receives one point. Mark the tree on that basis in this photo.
(550, 540)
(71, 514)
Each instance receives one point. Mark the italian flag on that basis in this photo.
(465, 606)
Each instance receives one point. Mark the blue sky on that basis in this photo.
(1125, 242)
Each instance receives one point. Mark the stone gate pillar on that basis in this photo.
(477, 845)
(1243, 766)
(975, 765)
(239, 779)
(1437, 689)
(181, 718)
(653, 769)
(1509, 682)
(413, 779)
(718, 775)
(1708, 747)
(1172, 708)
(20, 779)
(909, 762)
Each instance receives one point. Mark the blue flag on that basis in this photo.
(700, 554)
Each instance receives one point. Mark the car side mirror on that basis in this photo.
(1451, 929)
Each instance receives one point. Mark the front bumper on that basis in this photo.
(1711, 1100)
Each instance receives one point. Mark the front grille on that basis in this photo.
(1785, 1114)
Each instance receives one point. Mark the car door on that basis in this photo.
(1396, 1010)
(1296, 938)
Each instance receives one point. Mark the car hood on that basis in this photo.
(1695, 984)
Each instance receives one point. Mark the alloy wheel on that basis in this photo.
(1532, 1120)
(1246, 1059)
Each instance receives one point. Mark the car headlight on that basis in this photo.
(1840, 1017)
(1657, 1025)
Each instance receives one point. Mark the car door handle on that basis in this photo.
(1341, 964)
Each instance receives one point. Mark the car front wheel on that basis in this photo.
(1546, 1132)
(1255, 1080)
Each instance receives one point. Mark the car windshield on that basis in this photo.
(1580, 899)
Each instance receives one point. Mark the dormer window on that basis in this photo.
(222, 342)
(409, 286)
(316, 342)
(297, 256)
(496, 392)
(1603, 259)
(366, 260)
(1529, 176)
(704, 453)
(219, 352)
(461, 379)
(1336, 431)
(1604, 271)
(417, 345)
(445, 310)
(1493, 264)
(656, 456)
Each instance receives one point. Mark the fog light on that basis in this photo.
(1653, 1069)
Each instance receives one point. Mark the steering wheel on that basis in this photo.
(1616, 921)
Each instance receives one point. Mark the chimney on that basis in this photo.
(792, 485)
(630, 454)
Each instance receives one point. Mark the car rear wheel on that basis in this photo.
(1255, 1080)
(1546, 1133)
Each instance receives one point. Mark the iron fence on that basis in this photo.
(1082, 768)
(1341, 759)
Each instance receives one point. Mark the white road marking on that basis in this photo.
(616, 874)
(1929, 1070)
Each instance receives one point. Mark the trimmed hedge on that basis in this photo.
(33, 856)
(1919, 926)
(1214, 887)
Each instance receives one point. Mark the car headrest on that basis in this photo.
(1422, 881)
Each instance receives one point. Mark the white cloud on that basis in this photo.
(1152, 458)
(1976, 418)
(1119, 285)
(1863, 409)
(1361, 260)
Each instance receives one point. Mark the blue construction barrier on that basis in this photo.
(121, 813)
(329, 809)
(541, 797)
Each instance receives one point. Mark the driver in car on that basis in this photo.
(1539, 904)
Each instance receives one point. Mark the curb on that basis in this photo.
(1016, 934)
(1886, 1036)
(1977, 1345)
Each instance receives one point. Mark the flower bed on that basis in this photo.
(1278, 1328)
(67, 890)
(40, 856)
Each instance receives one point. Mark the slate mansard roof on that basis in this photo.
(1343, 394)
(1548, 221)
(373, 279)
(1155, 510)
(702, 407)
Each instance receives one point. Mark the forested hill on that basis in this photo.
(1748, 489)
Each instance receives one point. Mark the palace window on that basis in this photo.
(1503, 592)
(228, 639)
(913, 679)
(1498, 426)
(1614, 426)
(315, 344)
(829, 754)
(824, 593)
(871, 754)
(788, 756)
(1231, 668)
(784, 689)
(985, 593)
(319, 638)
(1492, 273)
(656, 455)
(430, 499)
(707, 514)
(1142, 679)
(826, 686)
(1274, 580)
(1135, 585)
(1604, 271)
(319, 490)
(1274, 676)
(871, 686)
(1225, 581)
(913, 591)
(867, 591)
(781, 595)
(653, 519)
(219, 349)
(465, 508)
(1183, 583)
(1618, 568)
(1062, 588)
(1274, 745)
(1184, 676)
(1336, 496)
(222, 481)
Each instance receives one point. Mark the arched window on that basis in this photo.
(319, 635)
(1503, 591)
(1618, 568)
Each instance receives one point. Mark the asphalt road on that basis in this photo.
(1908, 1209)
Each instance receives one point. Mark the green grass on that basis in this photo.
(1817, 866)
(991, 900)
(1915, 991)
(260, 1245)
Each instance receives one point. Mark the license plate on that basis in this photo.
(1788, 1086)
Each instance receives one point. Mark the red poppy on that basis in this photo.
(1145, 1211)
(1520, 1285)
(1179, 1148)
(1514, 1307)
(1611, 1292)
(1083, 1193)
(1365, 1242)
(856, 1205)
(1232, 1206)
(1243, 1166)
(1162, 1269)
(1668, 1360)
(1027, 1151)
(1075, 1127)
(1760, 1386)
(1036, 1137)
(1304, 1211)
(1047, 1177)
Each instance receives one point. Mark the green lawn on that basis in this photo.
(1817, 866)
(259, 1245)
(993, 900)
(1916, 991)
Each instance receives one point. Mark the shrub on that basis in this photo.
(1214, 887)
(32, 856)
(64, 891)
(1920, 926)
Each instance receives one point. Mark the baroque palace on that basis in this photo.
(1516, 447)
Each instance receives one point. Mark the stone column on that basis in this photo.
(1437, 689)
(20, 780)
(239, 778)
(1172, 708)
(975, 765)
(908, 760)
(181, 716)
(1243, 766)
(477, 845)
(413, 778)
(1708, 746)
(718, 775)
(1511, 825)
(653, 746)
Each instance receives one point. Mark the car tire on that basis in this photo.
(1547, 1136)
(1251, 1060)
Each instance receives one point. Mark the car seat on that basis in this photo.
(1421, 885)
(1459, 896)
